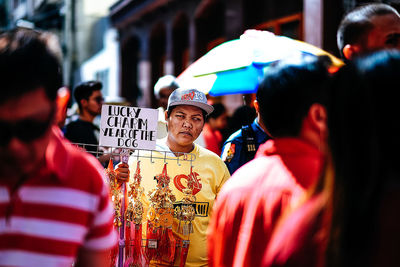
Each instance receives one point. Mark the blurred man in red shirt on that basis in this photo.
(292, 109)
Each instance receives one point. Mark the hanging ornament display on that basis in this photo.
(134, 217)
(160, 245)
(160, 240)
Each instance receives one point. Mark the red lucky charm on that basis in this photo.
(134, 216)
(160, 241)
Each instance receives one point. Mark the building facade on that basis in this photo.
(159, 37)
(134, 42)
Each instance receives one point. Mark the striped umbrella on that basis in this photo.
(237, 66)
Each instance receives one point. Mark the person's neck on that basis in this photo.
(86, 117)
(177, 149)
(261, 124)
(315, 139)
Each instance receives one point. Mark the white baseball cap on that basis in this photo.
(163, 82)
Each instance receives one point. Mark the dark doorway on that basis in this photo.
(157, 55)
(180, 42)
(129, 72)
(210, 18)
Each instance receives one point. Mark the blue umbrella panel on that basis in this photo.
(238, 81)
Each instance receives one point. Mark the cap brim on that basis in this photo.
(207, 108)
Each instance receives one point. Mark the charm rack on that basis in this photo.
(116, 154)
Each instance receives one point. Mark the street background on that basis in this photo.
(129, 44)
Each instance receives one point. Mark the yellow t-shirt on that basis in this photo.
(211, 173)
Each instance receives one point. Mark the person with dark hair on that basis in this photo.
(242, 145)
(215, 123)
(50, 215)
(368, 28)
(351, 218)
(292, 108)
(83, 131)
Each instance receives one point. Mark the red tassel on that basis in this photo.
(184, 252)
(136, 256)
(114, 256)
(128, 249)
(137, 251)
(151, 243)
(172, 245)
(167, 245)
(158, 255)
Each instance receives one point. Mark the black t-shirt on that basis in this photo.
(82, 132)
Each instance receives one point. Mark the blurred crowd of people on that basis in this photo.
(306, 175)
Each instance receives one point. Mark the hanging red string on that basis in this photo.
(138, 256)
(128, 246)
(134, 217)
(167, 246)
(184, 253)
(152, 240)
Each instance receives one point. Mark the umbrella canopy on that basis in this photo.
(237, 66)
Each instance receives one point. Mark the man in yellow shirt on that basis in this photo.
(188, 165)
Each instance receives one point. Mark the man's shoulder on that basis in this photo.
(261, 173)
(161, 144)
(246, 176)
(79, 124)
(76, 125)
(81, 132)
(204, 153)
(258, 130)
(236, 137)
(72, 163)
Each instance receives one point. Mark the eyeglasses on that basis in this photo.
(25, 130)
(99, 99)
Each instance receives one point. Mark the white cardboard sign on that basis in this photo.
(128, 127)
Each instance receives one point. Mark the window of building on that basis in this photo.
(103, 77)
(290, 26)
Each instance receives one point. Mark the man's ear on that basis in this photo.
(351, 50)
(317, 117)
(63, 96)
(84, 102)
(256, 106)
(166, 115)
